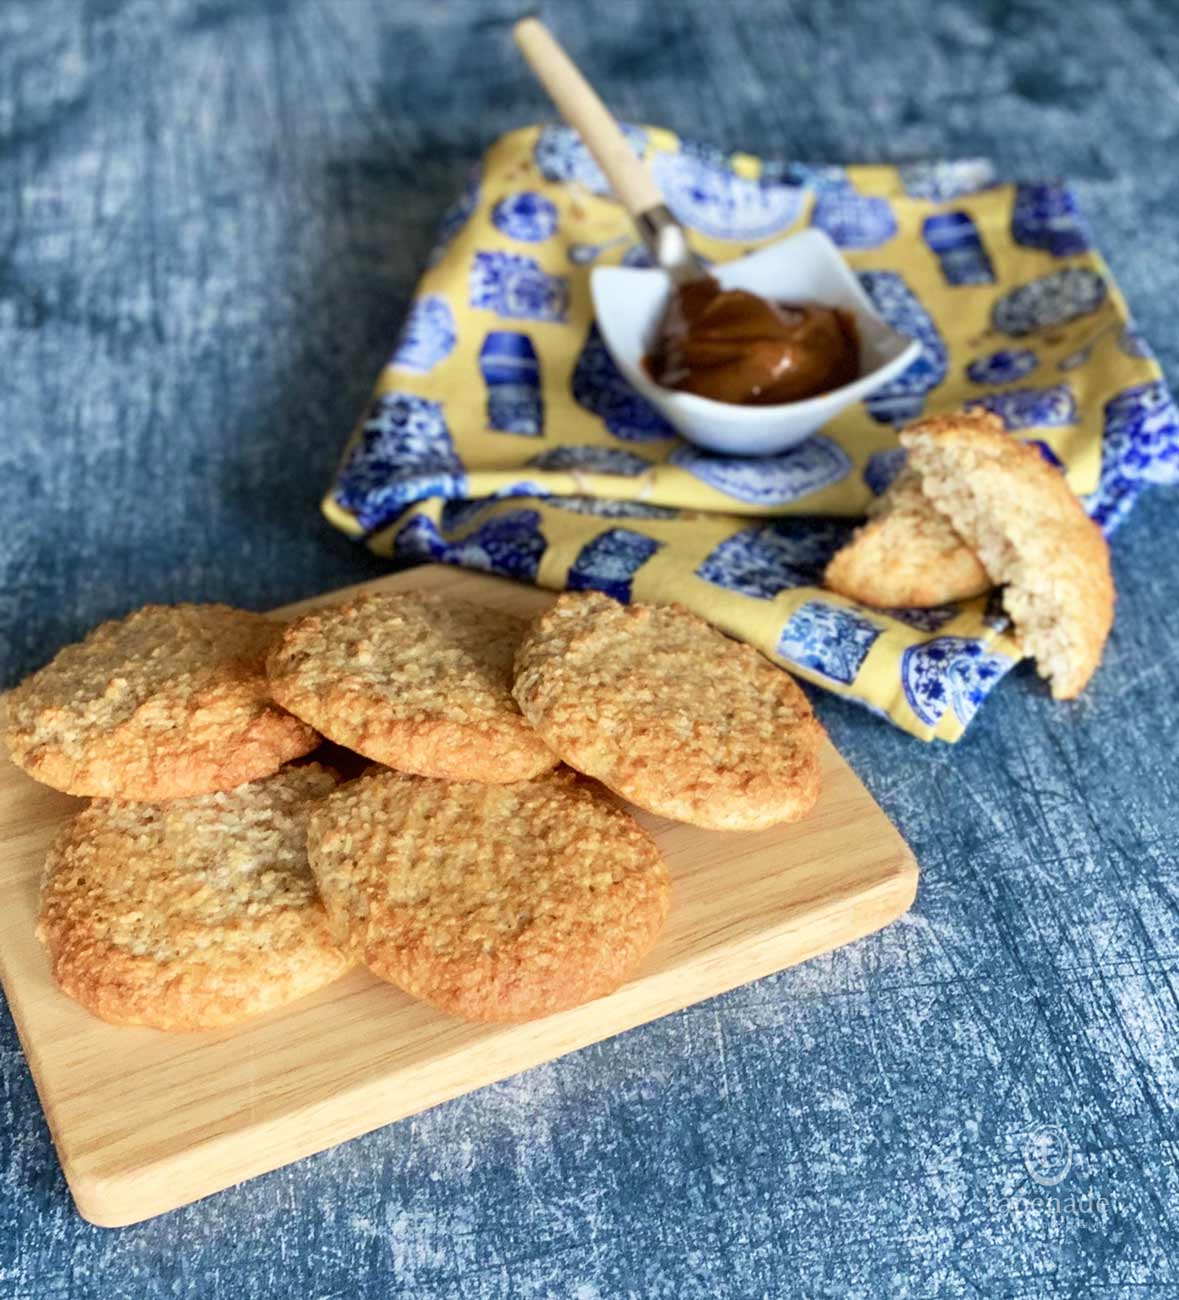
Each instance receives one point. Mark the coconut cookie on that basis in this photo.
(493, 902)
(190, 914)
(168, 702)
(1019, 515)
(907, 555)
(670, 713)
(415, 681)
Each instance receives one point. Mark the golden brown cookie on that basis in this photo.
(190, 914)
(1031, 533)
(493, 902)
(907, 555)
(169, 702)
(669, 712)
(415, 681)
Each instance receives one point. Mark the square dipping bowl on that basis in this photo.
(630, 303)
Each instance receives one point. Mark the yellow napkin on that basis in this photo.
(502, 437)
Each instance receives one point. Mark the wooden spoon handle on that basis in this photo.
(580, 106)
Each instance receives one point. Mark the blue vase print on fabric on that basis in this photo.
(610, 561)
(600, 387)
(511, 544)
(903, 398)
(853, 220)
(828, 639)
(526, 216)
(1047, 216)
(518, 288)
(950, 672)
(764, 560)
(768, 480)
(954, 240)
(1027, 408)
(427, 337)
(456, 217)
(404, 454)
(821, 177)
(456, 515)
(951, 179)
(704, 192)
(511, 372)
(604, 508)
(1075, 360)
(1053, 299)
(1002, 367)
(883, 467)
(560, 155)
(593, 460)
(1140, 448)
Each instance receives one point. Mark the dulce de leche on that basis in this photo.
(734, 346)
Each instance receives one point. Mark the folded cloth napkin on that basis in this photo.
(502, 437)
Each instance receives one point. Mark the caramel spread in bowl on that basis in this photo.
(734, 346)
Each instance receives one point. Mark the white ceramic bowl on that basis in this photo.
(630, 302)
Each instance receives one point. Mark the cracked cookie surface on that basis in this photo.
(492, 902)
(416, 681)
(670, 713)
(169, 702)
(194, 913)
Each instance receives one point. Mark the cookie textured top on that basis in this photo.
(493, 902)
(194, 913)
(415, 681)
(669, 712)
(1031, 533)
(168, 702)
(907, 555)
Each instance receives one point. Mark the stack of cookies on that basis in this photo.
(481, 863)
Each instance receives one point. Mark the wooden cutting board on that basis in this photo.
(145, 1121)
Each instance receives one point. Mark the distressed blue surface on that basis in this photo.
(213, 217)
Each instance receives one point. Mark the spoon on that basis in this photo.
(581, 107)
(630, 302)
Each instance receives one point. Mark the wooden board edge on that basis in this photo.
(115, 1198)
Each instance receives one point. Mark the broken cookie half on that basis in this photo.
(907, 556)
(976, 508)
(1019, 516)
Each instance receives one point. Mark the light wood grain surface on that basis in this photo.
(145, 1121)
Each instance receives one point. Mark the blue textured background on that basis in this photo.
(211, 217)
